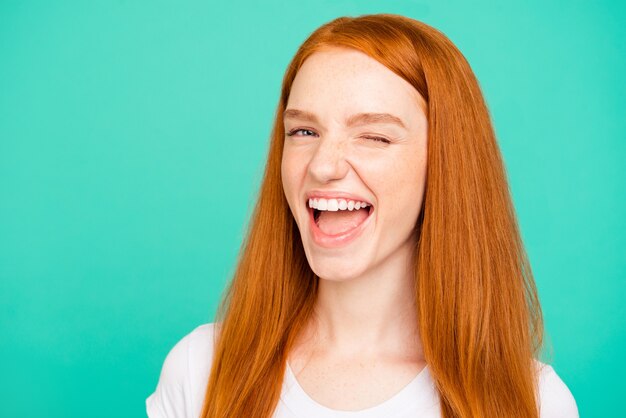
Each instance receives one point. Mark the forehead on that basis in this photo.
(338, 82)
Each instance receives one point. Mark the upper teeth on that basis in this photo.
(336, 204)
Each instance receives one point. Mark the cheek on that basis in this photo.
(291, 174)
(399, 185)
(286, 179)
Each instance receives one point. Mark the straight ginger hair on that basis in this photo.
(480, 321)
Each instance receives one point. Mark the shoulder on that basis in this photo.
(184, 374)
(556, 400)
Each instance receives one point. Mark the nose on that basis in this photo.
(329, 161)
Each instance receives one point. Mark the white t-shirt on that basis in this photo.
(185, 372)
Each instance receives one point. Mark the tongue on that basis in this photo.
(333, 223)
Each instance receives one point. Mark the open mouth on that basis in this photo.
(341, 219)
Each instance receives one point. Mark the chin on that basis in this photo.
(337, 271)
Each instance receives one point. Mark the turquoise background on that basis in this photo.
(132, 140)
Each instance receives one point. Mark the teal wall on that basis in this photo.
(132, 139)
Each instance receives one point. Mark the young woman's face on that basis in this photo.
(354, 132)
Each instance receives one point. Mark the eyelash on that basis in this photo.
(374, 138)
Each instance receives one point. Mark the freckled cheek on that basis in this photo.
(292, 172)
(286, 170)
(398, 186)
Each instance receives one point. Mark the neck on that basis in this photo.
(372, 314)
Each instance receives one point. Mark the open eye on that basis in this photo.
(294, 131)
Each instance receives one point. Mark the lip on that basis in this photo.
(339, 240)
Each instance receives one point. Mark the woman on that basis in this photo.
(383, 274)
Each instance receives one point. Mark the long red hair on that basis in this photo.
(480, 321)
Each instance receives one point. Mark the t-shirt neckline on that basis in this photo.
(410, 396)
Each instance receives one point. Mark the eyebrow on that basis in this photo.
(356, 119)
